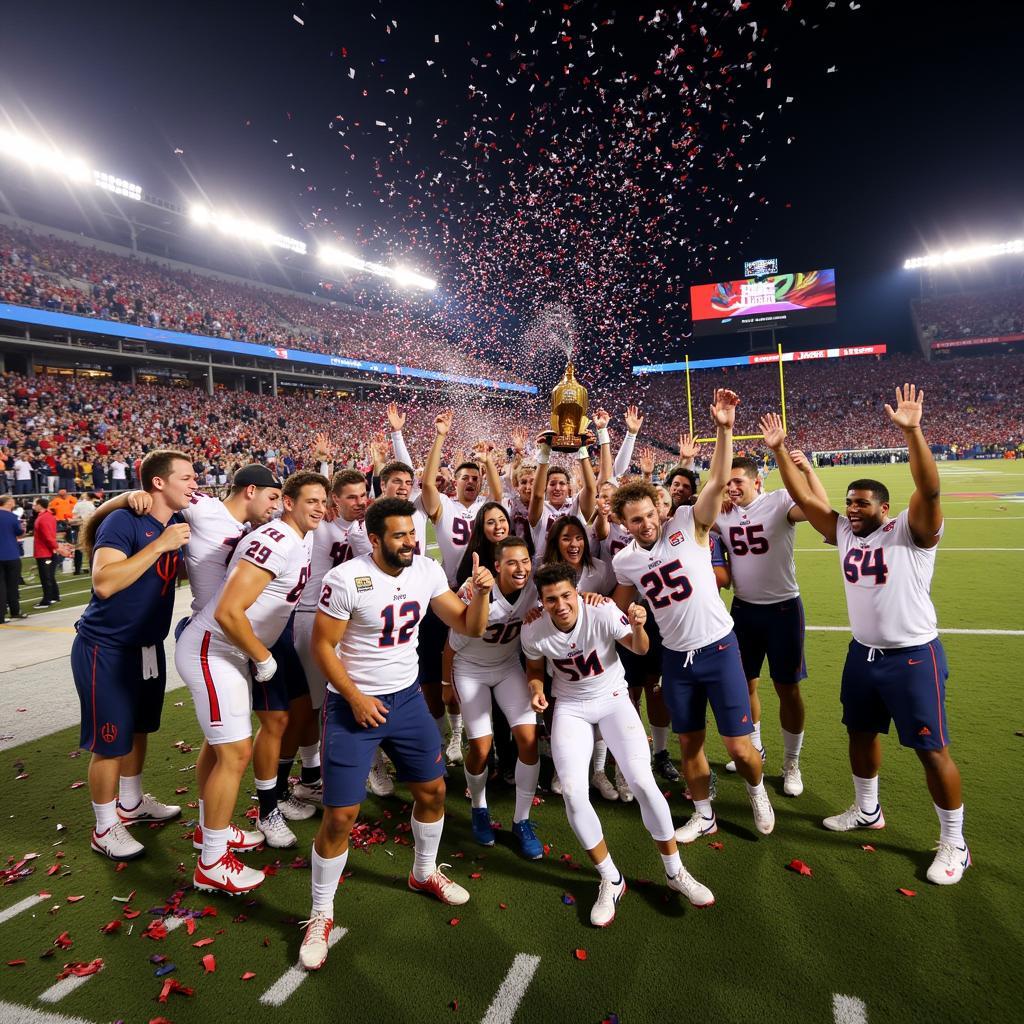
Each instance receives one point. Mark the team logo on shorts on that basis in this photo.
(108, 732)
(364, 583)
(676, 538)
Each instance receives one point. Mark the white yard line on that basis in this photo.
(848, 1010)
(27, 903)
(954, 632)
(513, 988)
(12, 1013)
(286, 985)
(55, 993)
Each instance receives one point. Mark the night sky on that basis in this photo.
(914, 140)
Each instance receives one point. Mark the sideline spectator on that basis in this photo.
(11, 528)
(44, 550)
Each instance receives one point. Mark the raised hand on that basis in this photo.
(771, 427)
(723, 409)
(482, 450)
(443, 422)
(482, 578)
(634, 421)
(600, 419)
(688, 450)
(323, 450)
(395, 418)
(637, 615)
(647, 461)
(909, 406)
(801, 461)
(519, 437)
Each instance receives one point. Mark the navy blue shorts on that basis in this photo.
(116, 701)
(906, 685)
(288, 682)
(433, 634)
(775, 631)
(641, 667)
(409, 737)
(180, 627)
(715, 675)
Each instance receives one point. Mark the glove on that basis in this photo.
(263, 671)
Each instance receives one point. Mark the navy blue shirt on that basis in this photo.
(139, 615)
(10, 530)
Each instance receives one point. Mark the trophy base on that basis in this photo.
(566, 442)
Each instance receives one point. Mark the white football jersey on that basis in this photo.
(593, 579)
(677, 582)
(500, 643)
(383, 613)
(333, 543)
(759, 539)
(518, 514)
(888, 582)
(454, 527)
(214, 533)
(276, 547)
(583, 662)
(618, 538)
(549, 517)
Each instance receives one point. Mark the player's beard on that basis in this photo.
(397, 559)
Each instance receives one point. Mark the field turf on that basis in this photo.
(777, 945)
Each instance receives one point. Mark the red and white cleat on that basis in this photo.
(148, 809)
(228, 875)
(238, 841)
(440, 886)
(117, 843)
(315, 943)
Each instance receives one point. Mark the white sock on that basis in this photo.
(660, 734)
(600, 756)
(792, 742)
(327, 872)
(608, 871)
(215, 845)
(704, 809)
(527, 776)
(754, 790)
(129, 793)
(427, 838)
(866, 792)
(477, 788)
(755, 737)
(951, 825)
(673, 865)
(202, 815)
(106, 815)
(455, 723)
(439, 722)
(310, 755)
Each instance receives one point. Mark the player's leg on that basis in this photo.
(473, 687)
(660, 721)
(513, 697)
(301, 722)
(627, 740)
(865, 715)
(752, 639)
(309, 787)
(785, 649)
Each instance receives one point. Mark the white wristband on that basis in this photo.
(583, 453)
(543, 454)
(603, 436)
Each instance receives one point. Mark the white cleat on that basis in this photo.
(227, 875)
(622, 787)
(148, 809)
(295, 810)
(696, 827)
(792, 780)
(602, 913)
(379, 782)
(453, 752)
(950, 864)
(117, 843)
(699, 895)
(309, 792)
(238, 841)
(275, 831)
(764, 816)
(853, 817)
(604, 786)
(315, 947)
(731, 766)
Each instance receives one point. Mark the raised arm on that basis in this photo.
(605, 471)
(540, 481)
(818, 511)
(430, 496)
(817, 488)
(114, 571)
(471, 619)
(396, 420)
(588, 492)
(482, 450)
(688, 451)
(925, 511)
(709, 501)
(624, 459)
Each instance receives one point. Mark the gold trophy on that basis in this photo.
(568, 413)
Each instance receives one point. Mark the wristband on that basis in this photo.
(630, 433)
(603, 436)
(583, 453)
(543, 454)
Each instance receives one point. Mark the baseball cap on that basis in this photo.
(257, 475)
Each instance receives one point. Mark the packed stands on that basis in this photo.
(989, 314)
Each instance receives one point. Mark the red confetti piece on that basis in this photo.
(190, 926)
(868, 848)
(53, 869)
(155, 930)
(476, 874)
(110, 927)
(580, 954)
(78, 785)
(454, 921)
(248, 976)
(172, 985)
(453, 1005)
(503, 906)
(121, 867)
(908, 892)
(209, 963)
(63, 941)
(15, 963)
(160, 1020)
(202, 942)
(75, 899)
(80, 969)
(130, 914)
(717, 846)
(799, 867)
(180, 790)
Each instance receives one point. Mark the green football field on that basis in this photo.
(844, 944)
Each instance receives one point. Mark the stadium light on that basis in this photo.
(239, 227)
(120, 187)
(401, 276)
(969, 254)
(42, 156)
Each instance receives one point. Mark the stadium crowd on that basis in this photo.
(978, 315)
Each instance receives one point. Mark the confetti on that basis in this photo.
(799, 867)
(580, 954)
(209, 963)
(248, 976)
(907, 892)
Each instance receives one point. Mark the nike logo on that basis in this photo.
(919, 662)
(724, 647)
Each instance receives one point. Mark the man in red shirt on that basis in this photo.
(44, 550)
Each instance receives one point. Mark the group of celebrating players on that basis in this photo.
(315, 606)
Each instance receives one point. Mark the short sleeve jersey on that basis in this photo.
(618, 538)
(500, 643)
(677, 581)
(519, 514)
(278, 549)
(583, 663)
(759, 539)
(454, 528)
(214, 533)
(139, 615)
(888, 580)
(334, 543)
(383, 613)
(550, 516)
